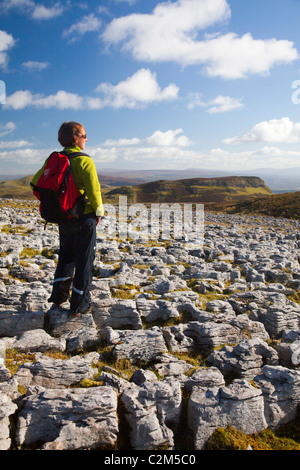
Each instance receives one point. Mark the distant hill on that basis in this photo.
(281, 180)
(16, 189)
(278, 205)
(201, 190)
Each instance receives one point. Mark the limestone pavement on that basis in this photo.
(218, 323)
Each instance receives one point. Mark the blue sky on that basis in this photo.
(212, 84)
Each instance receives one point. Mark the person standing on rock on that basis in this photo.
(77, 237)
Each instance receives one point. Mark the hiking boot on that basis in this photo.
(73, 315)
(56, 306)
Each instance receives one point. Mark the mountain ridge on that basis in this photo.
(201, 190)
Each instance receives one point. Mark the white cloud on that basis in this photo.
(167, 33)
(195, 101)
(93, 103)
(19, 100)
(220, 104)
(182, 158)
(135, 151)
(272, 157)
(275, 130)
(36, 11)
(40, 12)
(223, 104)
(7, 128)
(6, 42)
(7, 5)
(88, 24)
(61, 100)
(138, 90)
(168, 157)
(164, 146)
(170, 138)
(14, 144)
(233, 57)
(26, 156)
(172, 149)
(122, 142)
(159, 157)
(103, 155)
(171, 32)
(35, 66)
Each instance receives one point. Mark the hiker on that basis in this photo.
(77, 236)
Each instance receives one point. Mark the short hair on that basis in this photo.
(67, 133)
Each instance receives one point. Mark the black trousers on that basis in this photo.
(77, 245)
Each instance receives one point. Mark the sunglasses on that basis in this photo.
(83, 136)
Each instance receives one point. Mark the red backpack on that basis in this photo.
(59, 197)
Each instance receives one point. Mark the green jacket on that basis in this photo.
(86, 179)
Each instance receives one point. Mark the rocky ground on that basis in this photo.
(183, 338)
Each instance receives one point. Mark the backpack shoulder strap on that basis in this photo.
(74, 154)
